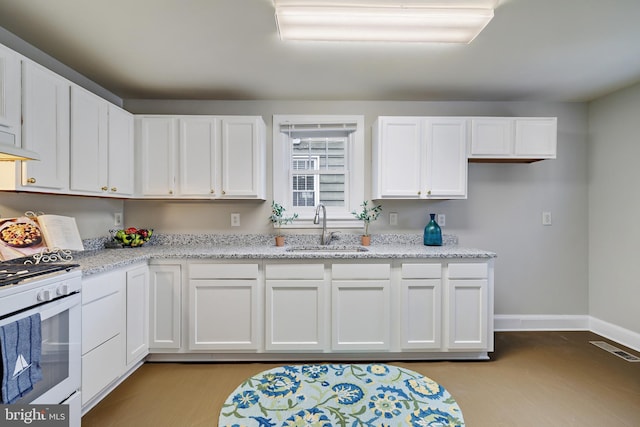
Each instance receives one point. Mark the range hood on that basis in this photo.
(10, 153)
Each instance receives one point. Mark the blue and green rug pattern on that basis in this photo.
(345, 395)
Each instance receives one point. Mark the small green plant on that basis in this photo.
(368, 214)
(277, 215)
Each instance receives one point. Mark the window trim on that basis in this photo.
(354, 193)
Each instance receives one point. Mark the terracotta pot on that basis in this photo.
(279, 240)
(366, 240)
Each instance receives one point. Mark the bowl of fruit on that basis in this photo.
(133, 237)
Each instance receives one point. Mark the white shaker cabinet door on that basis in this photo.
(199, 154)
(243, 169)
(397, 157)
(165, 306)
(156, 156)
(45, 106)
(121, 151)
(137, 323)
(223, 314)
(88, 136)
(10, 97)
(445, 170)
(468, 317)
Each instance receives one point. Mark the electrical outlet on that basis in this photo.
(393, 218)
(117, 219)
(235, 220)
(441, 220)
(546, 218)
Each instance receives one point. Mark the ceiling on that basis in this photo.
(550, 50)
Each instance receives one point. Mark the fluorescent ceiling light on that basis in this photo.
(376, 22)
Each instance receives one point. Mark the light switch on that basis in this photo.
(546, 218)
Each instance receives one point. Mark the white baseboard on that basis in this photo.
(540, 322)
(544, 322)
(616, 333)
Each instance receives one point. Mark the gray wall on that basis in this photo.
(539, 270)
(614, 209)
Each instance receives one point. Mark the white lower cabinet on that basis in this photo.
(224, 306)
(114, 328)
(103, 329)
(137, 294)
(321, 308)
(165, 306)
(361, 307)
(296, 307)
(469, 320)
(421, 306)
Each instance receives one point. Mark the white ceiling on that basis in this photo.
(555, 50)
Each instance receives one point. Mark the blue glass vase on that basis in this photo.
(432, 233)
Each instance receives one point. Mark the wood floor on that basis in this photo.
(533, 379)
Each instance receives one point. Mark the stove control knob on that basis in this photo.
(45, 295)
(63, 289)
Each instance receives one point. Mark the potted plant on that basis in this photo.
(278, 219)
(367, 214)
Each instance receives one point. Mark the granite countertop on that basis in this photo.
(238, 247)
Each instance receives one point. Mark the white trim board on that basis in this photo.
(544, 322)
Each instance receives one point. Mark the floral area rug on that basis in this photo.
(348, 395)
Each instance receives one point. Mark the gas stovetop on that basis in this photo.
(13, 272)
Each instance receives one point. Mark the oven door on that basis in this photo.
(60, 359)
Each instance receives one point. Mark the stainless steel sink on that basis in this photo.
(327, 248)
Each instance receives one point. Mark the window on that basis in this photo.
(319, 159)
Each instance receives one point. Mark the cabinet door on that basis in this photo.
(198, 157)
(295, 315)
(360, 315)
(10, 93)
(223, 314)
(445, 159)
(137, 292)
(165, 302)
(120, 158)
(536, 137)
(397, 157)
(88, 160)
(468, 314)
(45, 106)
(243, 158)
(156, 155)
(421, 323)
(491, 137)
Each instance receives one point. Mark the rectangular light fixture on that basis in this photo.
(380, 23)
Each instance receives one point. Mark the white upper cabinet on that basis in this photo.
(45, 130)
(156, 153)
(88, 160)
(101, 146)
(10, 94)
(523, 139)
(243, 158)
(201, 157)
(120, 158)
(199, 154)
(419, 158)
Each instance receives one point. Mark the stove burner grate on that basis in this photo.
(11, 273)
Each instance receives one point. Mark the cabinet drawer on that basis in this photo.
(468, 271)
(223, 271)
(101, 367)
(421, 271)
(99, 286)
(101, 320)
(294, 271)
(360, 271)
